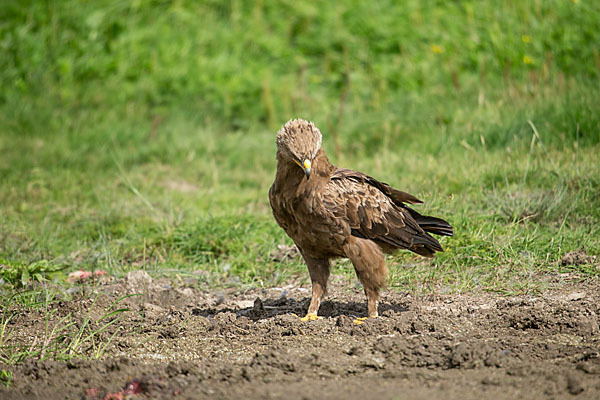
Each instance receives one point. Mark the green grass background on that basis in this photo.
(141, 134)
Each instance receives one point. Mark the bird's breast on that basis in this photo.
(301, 212)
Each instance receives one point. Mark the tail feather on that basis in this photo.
(426, 239)
(422, 251)
(425, 244)
(432, 224)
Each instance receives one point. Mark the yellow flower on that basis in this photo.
(526, 39)
(437, 49)
(527, 60)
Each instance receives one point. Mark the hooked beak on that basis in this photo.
(306, 167)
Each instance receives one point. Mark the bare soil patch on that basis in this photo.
(192, 343)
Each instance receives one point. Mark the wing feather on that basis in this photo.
(376, 211)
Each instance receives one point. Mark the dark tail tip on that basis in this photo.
(434, 225)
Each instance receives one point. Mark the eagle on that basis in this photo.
(332, 212)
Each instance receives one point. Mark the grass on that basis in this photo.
(58, 334)
(5, 377)
(140, 134)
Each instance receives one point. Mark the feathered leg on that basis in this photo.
(319, 274)
(369, 264)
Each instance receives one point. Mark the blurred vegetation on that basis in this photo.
(141, 133)
(239, 62)
(20, 275)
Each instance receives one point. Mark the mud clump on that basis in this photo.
(579, 257)
(191, 343)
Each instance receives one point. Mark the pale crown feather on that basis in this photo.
(299, 139)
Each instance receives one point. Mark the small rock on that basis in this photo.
(258, 305)
(575, 296)
(220, 297)
(573, 385)
(243, 304)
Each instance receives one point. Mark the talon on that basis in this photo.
(310, 317)
(361, 320)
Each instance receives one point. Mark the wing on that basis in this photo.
(376, 211)
(397, 196)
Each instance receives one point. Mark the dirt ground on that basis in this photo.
(191, 343)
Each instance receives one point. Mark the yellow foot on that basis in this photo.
(310, 317)
(361, 320)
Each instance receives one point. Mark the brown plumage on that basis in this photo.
(333, 212)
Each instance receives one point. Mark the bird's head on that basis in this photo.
(299, 141)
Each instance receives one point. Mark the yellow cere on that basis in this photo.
(306, 163)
